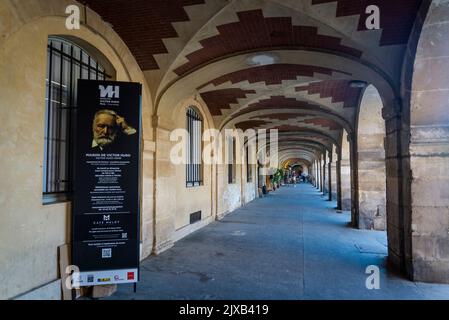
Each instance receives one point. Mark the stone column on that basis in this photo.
(165, 198)
(395, 189)
(334, 175)
(325, 175)
(329, 171)
(429, 150)
(345, 174)
(339, 189)
(320, 169)
(354, 181)
(147, 215)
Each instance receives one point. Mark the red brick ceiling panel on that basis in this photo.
(142, 24)
(281, 116)
(254, 31)
(272, 74)
(338, 90)
(245, 125)
(276, 103)
(221, 99)
(331, 124)
(396, 16)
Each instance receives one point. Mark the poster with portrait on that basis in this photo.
(105, 219)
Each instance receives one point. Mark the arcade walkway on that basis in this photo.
(290, 245)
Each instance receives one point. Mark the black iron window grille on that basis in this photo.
(249, 167)
(194, 167)
(232, 161)
(66, 63)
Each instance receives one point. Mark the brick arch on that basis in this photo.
(254, 31)
(155, 16)
(273, 74)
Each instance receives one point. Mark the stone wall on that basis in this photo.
(345, 174)
(30, 233)
(429, 148)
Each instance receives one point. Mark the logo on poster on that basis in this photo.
(130, 275)
(109, 92)
(118, 278)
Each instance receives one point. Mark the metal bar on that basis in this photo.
(80, 61)
(88, 68)
(193, 147)
(70, 128)
(186, 155)
(189, 148)
(58, 124)
(48, 159)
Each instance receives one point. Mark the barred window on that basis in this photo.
(249, 166)
(66, 63)
(194, 168)
(232, 160)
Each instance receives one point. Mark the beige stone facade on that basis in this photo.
(381, 152)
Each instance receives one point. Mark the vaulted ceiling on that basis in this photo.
(285, 64)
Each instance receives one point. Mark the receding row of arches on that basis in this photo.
(362, 113)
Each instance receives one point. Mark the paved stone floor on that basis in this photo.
(289, 245)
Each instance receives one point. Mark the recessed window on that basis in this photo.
(66, 63)
(249, 166)
(232, 160)
(194, 167)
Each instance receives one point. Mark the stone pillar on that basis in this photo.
(147, 216)
(428, 215)
(164, 224)
(329, 171)
(320, 168)
(345, 174)
(354, 181)
(429, 162)
(334, 175)
(396, 190)
(325, 175)
(339, 189)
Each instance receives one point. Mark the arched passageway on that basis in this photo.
(245, 263)
(361, 113)
(371, 162)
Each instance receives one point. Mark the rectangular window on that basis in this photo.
(66, 63)
(194, 168)
(232, 161)
(249, 167)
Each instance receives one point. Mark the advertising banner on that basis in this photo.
(105, 220)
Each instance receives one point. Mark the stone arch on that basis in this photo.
(371, 162)
(174, 202)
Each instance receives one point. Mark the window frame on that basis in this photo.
(71, 61)
(194, 171)
(249, 167)
(232, 171)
